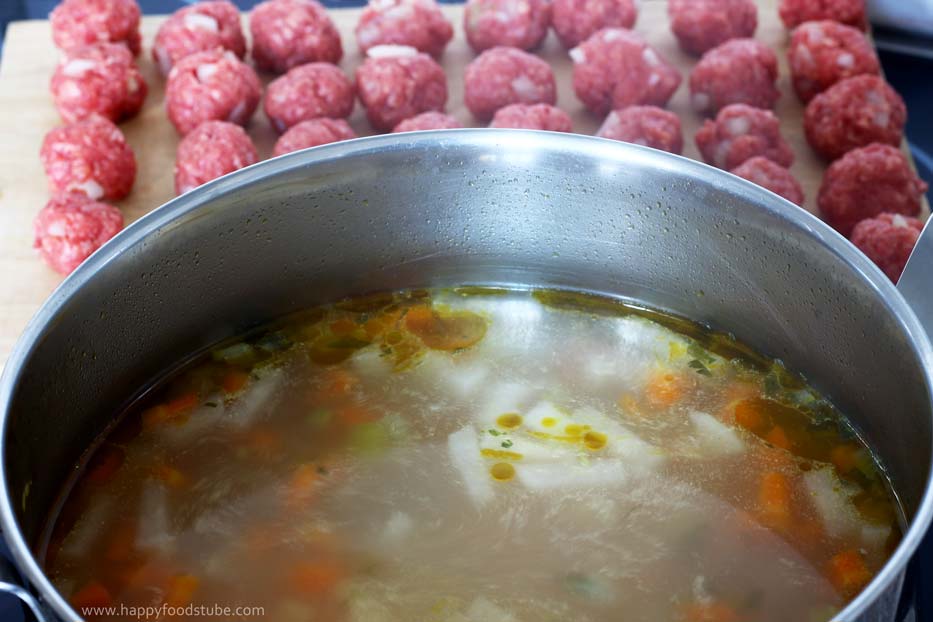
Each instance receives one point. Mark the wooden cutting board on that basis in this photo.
(27, 113)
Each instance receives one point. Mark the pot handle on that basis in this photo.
(9, 585)
(916, 282)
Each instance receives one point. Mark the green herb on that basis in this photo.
(699, 367)
(506, 443)
(322, 470)
(699, 354)
(494, 432)
(347, 343)
(211, 404)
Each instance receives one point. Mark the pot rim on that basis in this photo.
(163, 219)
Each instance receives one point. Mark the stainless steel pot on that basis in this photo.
(467, 206)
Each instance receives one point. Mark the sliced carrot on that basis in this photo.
(302, 484)
(337, 384)
(445, 330)
(181, 589)
(173, 411)
(778, 437)
(234, 381)
(664, 389)
(104, 463)
(774, 499)
(171, 476)
(710, 612)
(343, 326)
(847, 572)
(318, 577)
(750, 415)
(844, 457)
(355, 414)
(182, 404)
(92, 595)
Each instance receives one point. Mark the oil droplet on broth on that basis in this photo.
(509, 420)
(502, 471)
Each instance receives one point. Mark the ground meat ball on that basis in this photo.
(513, 23)
(615, 68)
(503, 76)
(309, 92)
(428, 121)
(701, 25)
(70, 227)
(823, 53)
(771, 176)
(76, 23)
(398, 82)
(575, 20)
(853, 113)
(888, 240)
(203, 26)
(796, 12)
(98, 79)
(644, 125)
(211, 150)
(312, 133)
(740, 132)
(416, 23)
(211, 86)
(533, 117)
(288, 33)
(90, 157)
(866, 182)
(740, 71)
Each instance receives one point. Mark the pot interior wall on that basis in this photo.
(464, 207)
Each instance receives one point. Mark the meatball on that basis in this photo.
(211, 150)
(76, 23)
(822, 53)
(866, 182)
(428, 121)
(502, 76)
(740, 132)
(575, 20)
(615, 68)
(211, 86)
(701, 25)
(796, 12)
(397, 82)
(70, 227)
(308, 92)
(740, 71)
(89, 157)
(853, 113)
(888, 240)
(288, 33)
(512, 23)
(98, 79)
(771, 176)
(312, 133)
(533, 117)
(416, 23)
(197, 28)
(644, 125)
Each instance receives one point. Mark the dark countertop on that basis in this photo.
(909, 73)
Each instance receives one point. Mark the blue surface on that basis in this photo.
(910, 75)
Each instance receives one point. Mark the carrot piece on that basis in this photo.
(710, 612)
(104, 464)
(170, 475)
(664, 390)
(316, 578)
(774, 496)
(847, 572)
(778, 437)
(356, 414)
(90, 596)
(234, 380)
(445, 330)
(302, 484)
(181, 589)
(749, 415)
(844, 457)
(155, 416)
(343, 326)
(174, 411)
(337, 384)
(182, 404)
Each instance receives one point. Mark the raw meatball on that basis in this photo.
(70, 227)
(822, 53)
(211, 150)
(575, 20)
(312, 133)
(288, 33)
(533, 117)
(428, 121)
(701, 25)
(203, 26)
(866, 182)
(76, 23)
(740, 71)
(396, 82)
(615, 68)
(416, 23)
(740, 132)
(90, 157)
(308, 92)
(888, 240)
(771, 176)
(513, 23)
(853, 113)
(211, 86)
(644, 125)
(795, 12)
(502, 76)
(98, 79)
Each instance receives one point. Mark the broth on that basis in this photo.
(476, 455)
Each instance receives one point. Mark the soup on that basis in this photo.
(476, 455)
